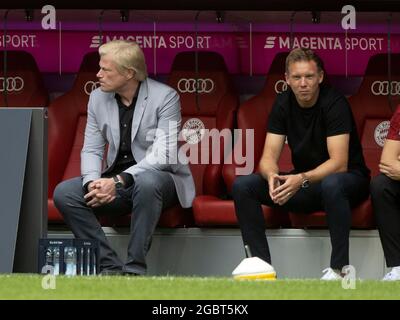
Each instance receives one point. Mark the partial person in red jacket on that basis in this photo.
(385, 194)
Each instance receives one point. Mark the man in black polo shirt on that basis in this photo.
(329, 169)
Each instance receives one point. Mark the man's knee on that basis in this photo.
(147, 183)
(331, 185)
(63, 191)
(378, 184)
(242, 184)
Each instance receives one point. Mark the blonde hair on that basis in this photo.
(127, 55)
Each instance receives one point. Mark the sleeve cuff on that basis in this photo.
(86, 186)
(128, 179)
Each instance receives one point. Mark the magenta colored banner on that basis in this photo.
(62, 52)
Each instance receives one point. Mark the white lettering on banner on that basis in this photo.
(325, 43)
(142, 41)
(186, 42)
(19, 41)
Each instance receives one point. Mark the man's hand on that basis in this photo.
(101, 191)
(390, 169)
(273, 183)
(288, 186)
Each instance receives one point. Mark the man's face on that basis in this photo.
(304, 79)
(111, 80)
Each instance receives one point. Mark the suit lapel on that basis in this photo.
(139, 108)
(113, 114)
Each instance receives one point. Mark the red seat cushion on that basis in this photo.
(216, 212)
(252, 115)
(24, 81)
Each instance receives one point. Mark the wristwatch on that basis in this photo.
(118, 182)
(305, 183)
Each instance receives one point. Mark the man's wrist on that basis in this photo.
(305, 181)
(127, 178)
(86, 186)
(118, 182)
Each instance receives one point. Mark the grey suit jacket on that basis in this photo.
(155, 127)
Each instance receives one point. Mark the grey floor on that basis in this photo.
(296, 253)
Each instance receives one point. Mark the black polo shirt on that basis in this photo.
(307, 129)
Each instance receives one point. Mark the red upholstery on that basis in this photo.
(371, 100)
(215, 108)
(253, 114)
(67, 120)
(25, 83)
(370, 111)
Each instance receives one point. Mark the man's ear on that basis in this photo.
(287, 77)
(321, 76)
(130, 74)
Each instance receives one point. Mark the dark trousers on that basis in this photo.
(385, 195)
(151, 192)
(335, 194)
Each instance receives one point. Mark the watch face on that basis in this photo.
(118, 183)
(305, 184)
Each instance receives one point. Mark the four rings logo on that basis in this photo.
(193, 130)
(12, 84)
(381, 132)
(189, 85)
(90, 86)
(381, 88)
(280, 86)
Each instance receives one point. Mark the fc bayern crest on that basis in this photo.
(193, 130)
(381, 132)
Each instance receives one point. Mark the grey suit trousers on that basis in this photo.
(151, 192)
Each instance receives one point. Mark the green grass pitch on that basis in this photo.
(187, 288)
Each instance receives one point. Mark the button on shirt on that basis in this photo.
(125, 157)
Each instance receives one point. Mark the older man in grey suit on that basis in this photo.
(139, 119)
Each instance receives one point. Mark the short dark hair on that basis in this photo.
(303, 54)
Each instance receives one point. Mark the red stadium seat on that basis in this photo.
(24, 81)
(372, 99)
(213, 107)
(253, 114)
(67, 121)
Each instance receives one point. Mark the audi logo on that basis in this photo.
(280, 86)
(13, 84)
(90, 86)
(381, 88)
(189, 85)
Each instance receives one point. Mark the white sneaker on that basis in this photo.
(393, 275)
(330, 275)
